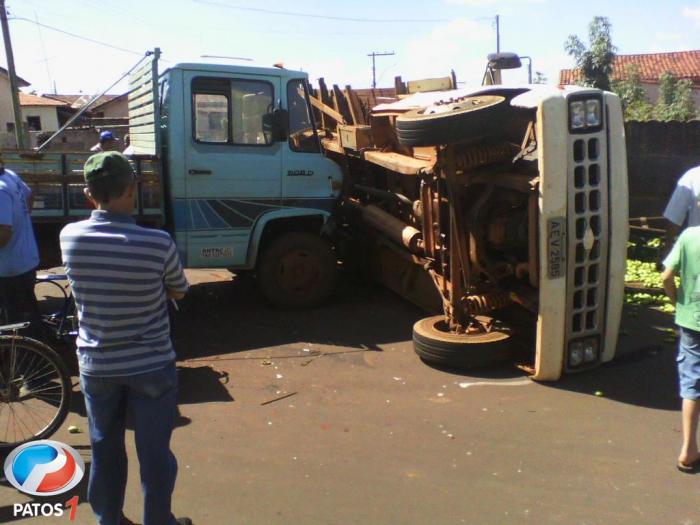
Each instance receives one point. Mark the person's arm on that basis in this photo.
(668, 277)
(672, 266)
(176, 284)
(675, 213)
(5, 218)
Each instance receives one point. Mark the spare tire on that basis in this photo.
(435, 344)
(464, 120)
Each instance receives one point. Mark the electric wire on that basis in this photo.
(323, 17)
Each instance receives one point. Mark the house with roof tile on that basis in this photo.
(40, 113)
(683, 64)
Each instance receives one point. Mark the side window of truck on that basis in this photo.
(232, 111)
(252, 100)
(211, 107)
(302, 133)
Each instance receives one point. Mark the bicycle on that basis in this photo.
(35, 385)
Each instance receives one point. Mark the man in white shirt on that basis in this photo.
(684, 205)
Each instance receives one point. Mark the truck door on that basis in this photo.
(232, 166)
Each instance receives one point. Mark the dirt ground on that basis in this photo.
(371, 435)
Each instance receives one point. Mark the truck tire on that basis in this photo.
(297, 270)
(466, 120)
(436, 345)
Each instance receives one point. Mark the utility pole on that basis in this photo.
(498, 34)
(19, 132)
(374, 55)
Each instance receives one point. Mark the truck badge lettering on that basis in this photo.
(556, 247)
(216, 253)
(300, 173)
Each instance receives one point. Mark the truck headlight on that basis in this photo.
(578, 114)
(592, 113)
(583, 352)
(585, 114)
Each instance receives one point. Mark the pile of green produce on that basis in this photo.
(646, 274)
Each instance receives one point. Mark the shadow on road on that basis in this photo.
(226, 317)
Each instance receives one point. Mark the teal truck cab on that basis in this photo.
(229, 161)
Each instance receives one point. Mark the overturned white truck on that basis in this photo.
(502, 209)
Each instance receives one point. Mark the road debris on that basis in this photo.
(278, 399)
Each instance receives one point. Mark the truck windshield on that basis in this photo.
(302, 133)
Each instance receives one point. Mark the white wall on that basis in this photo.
(6, 115)
(652, 91)
(47, 114)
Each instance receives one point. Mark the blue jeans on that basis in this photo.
(151, 398)
(689, 364)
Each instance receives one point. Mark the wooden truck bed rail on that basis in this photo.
(57, 182)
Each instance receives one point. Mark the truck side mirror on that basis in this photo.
(276, 125)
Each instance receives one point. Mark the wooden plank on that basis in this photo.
(142, 110)
(341, 105)
(332, 145)
(325, 98)
(429, 84)
(399, 163)
(327, 110)
(145, 119)
(358, 115)
(399, 86)
(140, 90)
(141, 73)
(146, 98)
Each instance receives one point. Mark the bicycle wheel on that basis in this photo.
(35, 390)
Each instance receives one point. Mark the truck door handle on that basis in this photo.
(199, 172)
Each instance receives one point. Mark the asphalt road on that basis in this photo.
(371, 435)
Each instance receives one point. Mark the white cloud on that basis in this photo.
(461, 44)
(693, 13)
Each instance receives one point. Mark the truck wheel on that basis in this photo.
(297, 270)
(468, 119)
(434, 343)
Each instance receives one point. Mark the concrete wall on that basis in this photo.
(6, 115)
(114, 109)
(652, 91)
(47, 114)
(658, 153)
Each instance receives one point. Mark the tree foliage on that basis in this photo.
(675, 99)
(635, 104)
(594, 62)
(540, 78)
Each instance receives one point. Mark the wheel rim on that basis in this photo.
(32, 392)
(299, 271)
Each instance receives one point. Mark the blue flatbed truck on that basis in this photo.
(229, 162)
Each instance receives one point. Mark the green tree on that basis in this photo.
(540, 78)
(594, 62)
(635, 105)
(675, 99)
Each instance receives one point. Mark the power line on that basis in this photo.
(98, 42)
(323, 17)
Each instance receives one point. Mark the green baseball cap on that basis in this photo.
(106, 164)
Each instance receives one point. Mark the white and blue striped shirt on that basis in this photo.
(118, 272)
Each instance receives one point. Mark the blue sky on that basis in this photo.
(451, 34)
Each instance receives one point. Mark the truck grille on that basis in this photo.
(588, 238)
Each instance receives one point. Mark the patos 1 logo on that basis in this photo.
(44, 468)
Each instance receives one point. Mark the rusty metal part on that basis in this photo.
(532, 244)
(478, 156)
(384, 193)
(480, 304)
(395, 229)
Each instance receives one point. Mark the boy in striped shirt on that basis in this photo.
(121, 274)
